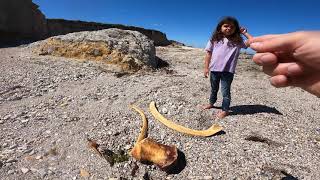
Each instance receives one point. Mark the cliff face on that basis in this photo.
(21, 19)
(61, 26)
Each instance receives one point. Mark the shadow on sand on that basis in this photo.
(252, 109)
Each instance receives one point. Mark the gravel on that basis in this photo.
(49, 106)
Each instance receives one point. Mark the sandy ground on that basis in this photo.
(49, 106)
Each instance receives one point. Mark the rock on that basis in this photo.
(24, 120)
(21, 19)
(84, 173)
(61, 26)
(24, 170)
(164, 110)
(42, 172)
(11, 160)
(207, 177)
(10, 171)
(122, 50)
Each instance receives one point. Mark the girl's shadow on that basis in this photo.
(253, 109)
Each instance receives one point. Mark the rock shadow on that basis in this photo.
(179, 165)
(161, 63)
(253, 109)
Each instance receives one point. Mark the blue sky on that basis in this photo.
(191, 21)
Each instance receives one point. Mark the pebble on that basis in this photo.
(38, 157)
(164, 110)
(42, 173)
(207, 177)
(11, 160)
(5, 145)
(33, 170)
(24, 170)
(11, 171)
(13, 146)
(1, 121)
(24, 121)
(6, 117)
(127, 147)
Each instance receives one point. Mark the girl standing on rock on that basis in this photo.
(223, 50)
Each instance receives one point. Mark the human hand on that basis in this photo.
(290, 59)
(206, 72)
(243, 30)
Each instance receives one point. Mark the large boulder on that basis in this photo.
(127, 50)
(21, 19)
(62, 26)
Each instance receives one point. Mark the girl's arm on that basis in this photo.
(244, 31)
(206, 63)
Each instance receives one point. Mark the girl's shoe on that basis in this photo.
(221, 114)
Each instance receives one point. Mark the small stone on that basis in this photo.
(1, 121)
(13, 146)
(24, 170)
(31, 152)
(84, 173)
(24, 121)
(11, 160)
(38, 157)
(42, 173)
(164, 110)
(207, 178)
(5, 145)
(127, 147)
(6, 117)
(11, 171)
(33, 170)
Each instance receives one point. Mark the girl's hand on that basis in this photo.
(243, 30)
(206, 72)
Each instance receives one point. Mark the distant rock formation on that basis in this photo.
(21, 19)
(61, 26)
(119, 50)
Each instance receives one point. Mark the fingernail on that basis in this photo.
(264, 58)
(255, 45)
(294, 70)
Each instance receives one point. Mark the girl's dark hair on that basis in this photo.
(217, 35)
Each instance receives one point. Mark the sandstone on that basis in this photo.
(126, 50)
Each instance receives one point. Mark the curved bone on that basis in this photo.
(146, 149)
(144, 128)
(209, 132)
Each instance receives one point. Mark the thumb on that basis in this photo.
(284, 42)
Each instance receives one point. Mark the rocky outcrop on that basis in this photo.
(21, 19)
(119, 50)
(61, 26)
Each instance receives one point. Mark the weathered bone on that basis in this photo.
(148, 150)
(209, 132)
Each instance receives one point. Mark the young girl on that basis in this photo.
(223, 51)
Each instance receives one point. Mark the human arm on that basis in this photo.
(206, 63)
(291, 59)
